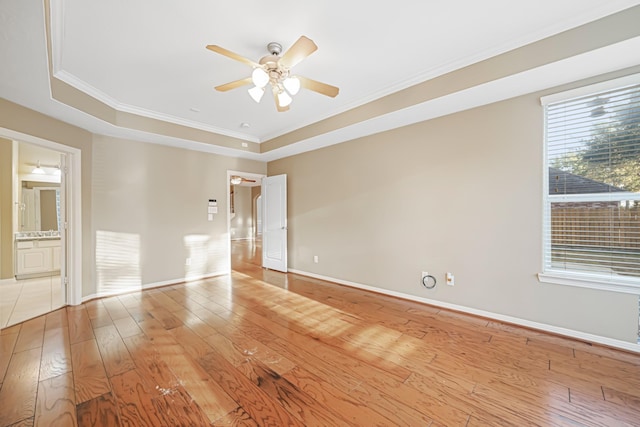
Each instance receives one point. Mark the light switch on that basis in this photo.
(212, 208)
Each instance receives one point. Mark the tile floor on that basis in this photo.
(23, 299)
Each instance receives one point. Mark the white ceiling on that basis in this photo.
(149, 57)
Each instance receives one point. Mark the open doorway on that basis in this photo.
(245, 243)
(37, 233)
(32, 284)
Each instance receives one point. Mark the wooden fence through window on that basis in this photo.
(596, 225)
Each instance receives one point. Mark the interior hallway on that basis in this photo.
(246, 253)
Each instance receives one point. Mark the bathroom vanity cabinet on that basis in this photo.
(37, 257)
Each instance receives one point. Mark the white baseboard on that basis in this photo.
(155, 285)
(583, 336)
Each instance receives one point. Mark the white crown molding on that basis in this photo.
(453, 65)
(153, 138)
(56, 10)
(630, 80)
(57, 43)
(83, 86)
(597, 62)
(188, 123)
(611, 58)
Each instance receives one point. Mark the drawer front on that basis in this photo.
(48, 243)
(24, 245)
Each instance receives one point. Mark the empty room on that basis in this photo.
(319, 213)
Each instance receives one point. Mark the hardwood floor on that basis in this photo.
(261, 348)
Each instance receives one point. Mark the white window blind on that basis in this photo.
(592, 206)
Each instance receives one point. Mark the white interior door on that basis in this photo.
(274, 222)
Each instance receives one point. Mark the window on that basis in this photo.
(592, 197)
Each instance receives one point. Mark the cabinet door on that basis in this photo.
(55, 257)
(36, 260)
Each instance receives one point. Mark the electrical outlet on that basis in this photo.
(450, 279)
(187, 261)
(315, 259)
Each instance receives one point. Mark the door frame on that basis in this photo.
(248, 175)
(72, 257)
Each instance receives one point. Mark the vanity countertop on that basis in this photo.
(37, 235)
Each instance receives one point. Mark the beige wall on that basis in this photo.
(461, 194)
(242, 223)
(6, 209)
(140, 199)
(151, 201)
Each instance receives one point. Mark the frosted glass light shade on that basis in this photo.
(259, 77)
(284, 99)
(292, 85)
(256, 93)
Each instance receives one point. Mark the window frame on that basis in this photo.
(576, 278)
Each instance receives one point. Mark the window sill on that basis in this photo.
(590, 281)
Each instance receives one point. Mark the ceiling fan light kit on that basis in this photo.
(292, 85)
(256, 93)
(259, 77)
(237, 180)
(275, 70)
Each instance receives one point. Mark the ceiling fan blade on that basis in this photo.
(319, 87)
(248, 180)
(302, 48)
(232, 85)
(232, 55)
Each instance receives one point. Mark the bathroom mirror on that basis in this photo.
(40, 207)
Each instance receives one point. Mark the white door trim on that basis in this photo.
(248, 175)
(73, 258)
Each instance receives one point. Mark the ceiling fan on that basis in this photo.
(275, 69)
(237, 180)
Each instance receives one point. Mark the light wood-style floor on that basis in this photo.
(21, 300)
(269, 349)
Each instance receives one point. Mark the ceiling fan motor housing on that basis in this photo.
(274, 48)
(271, 65)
